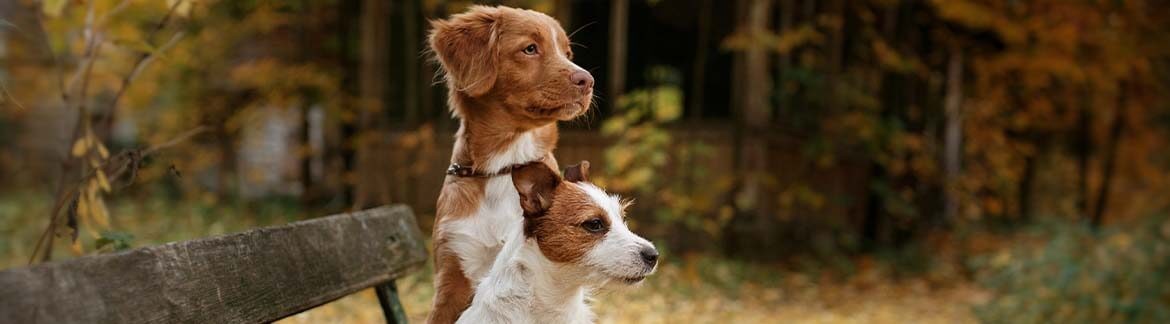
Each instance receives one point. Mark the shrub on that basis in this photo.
(669, 179)
(1114, 275)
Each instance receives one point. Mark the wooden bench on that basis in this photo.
(257, 276)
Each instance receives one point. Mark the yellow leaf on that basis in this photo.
(92, 233)
(640, 176)
(105, 154)
(101, 215)
(184, 8)
(667, 104)
(102, 181)
(75, 248)
(620, 157)
(805, 34)
(82, 206)
(79, 147)
(92, 189)
(85, 212)
(53, 8)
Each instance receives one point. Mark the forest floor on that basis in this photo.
(715, 293)
(686, 289)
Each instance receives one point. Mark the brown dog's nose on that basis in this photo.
(582, 79)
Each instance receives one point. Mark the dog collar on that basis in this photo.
(468, 172)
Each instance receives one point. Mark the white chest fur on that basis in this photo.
(524, 287)
(522, 150)
(477, 239)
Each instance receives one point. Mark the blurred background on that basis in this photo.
(818, 161)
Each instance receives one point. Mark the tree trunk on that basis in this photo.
(307, 151)
(757, 107)
(374, 50)
(564, 12)
(699, 66)
(1114, 142)
(953, 136)
(410, 56)
(1084, 149)
(1027, 181)
(619, 12)
(748, 229)
(345, 149)
(871, 221)
(756, 116)
(438, 94)
(785, 13)
(836, 53)
(372, 87)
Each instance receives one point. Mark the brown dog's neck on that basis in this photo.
(486, 131)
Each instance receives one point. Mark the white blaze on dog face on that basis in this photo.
(620, 254)
(575, 222)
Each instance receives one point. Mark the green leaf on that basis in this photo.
(118, 240)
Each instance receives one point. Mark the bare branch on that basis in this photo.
(113, 11)
(60, 70)
(115, 168)
(91, 41)
(179, 139)
(8, 96)
(64, 195)
(145, 59)
(129, 159)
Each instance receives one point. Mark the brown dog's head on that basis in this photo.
(517, 60)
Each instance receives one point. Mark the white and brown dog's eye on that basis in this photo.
(594, 225)
(530, 50)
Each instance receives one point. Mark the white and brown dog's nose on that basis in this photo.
(582, 79)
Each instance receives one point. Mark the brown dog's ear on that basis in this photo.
(578, 172)
(465, 45)
(536, 183)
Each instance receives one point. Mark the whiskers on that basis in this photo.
(579, 29)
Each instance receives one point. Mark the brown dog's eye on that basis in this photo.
(530, 50)
(594, 225)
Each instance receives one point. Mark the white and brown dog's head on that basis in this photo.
(511, 59)
(576, 224)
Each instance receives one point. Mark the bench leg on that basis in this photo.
(391, 306)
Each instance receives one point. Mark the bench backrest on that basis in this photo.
(253, 277)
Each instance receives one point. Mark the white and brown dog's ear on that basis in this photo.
(465, 45)
(536, 183)
(578, 172)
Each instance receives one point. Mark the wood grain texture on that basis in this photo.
(252, 277)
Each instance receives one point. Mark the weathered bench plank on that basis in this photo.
(252, 277)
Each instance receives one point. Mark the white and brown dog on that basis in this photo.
(510, 79)
(573, 239)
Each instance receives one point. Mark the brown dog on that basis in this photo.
(510, 79)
